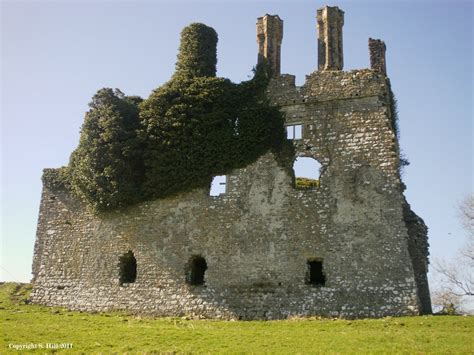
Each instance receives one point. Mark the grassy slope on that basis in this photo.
(114, 332)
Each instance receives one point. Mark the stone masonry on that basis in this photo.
(264, 249)
(377, 55)
(269, 37)
(330, 53)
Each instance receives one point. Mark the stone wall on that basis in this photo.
(418, 248)
(257, 237)
(260, 240)
(377, 55)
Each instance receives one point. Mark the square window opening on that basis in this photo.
(195, 270)
(294, 131)
(218, 185)
(315, 273)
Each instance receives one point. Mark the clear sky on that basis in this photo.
(56, 54)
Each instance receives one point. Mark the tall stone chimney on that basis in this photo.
(269, 37)
(330, 22)
(377, 55)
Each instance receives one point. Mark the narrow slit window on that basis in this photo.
(315, 273)
(294, 131)
(128, 268)
(218, 185)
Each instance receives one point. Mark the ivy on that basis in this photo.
(197, 52)
(57, 179)
(106, 169)
(403, 160)
(393, 110)
(190, 129)
(196, 128)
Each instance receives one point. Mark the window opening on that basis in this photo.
(218, 185)
(315, 273)
(195, 270)
(294, 131)
(128, 268)
(307, 173)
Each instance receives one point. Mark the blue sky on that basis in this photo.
(56, 54)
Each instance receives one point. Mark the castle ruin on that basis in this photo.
(264, 249)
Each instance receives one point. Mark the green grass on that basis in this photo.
(302, 183)
(119, 333)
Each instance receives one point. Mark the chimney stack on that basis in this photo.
(269, 37)
(330, 54)
(377, 55)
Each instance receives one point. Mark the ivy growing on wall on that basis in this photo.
(193, 127)
(106, 169)
(205, 126)
(404, 162)
(197, 55)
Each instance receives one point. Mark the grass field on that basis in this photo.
(24, 324)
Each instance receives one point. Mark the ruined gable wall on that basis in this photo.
(347, 109)
(353, 109)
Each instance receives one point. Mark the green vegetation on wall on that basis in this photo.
(197, 51)
(302, 183)
(106, 168)
(404, 162)
(199, 127)
(190, 129)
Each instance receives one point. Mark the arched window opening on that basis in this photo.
(315, 273)
(218, 185)
(128, 268)
(195, 270)
(307, 173)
